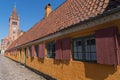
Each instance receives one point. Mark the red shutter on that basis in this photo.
(58, 50)
(33, 48)
(41, 51)
(118, 50)
(106, 46)
(27, 51)
(66, 47)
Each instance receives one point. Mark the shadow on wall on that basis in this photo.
(58, 62)
(31, 59)
(98, 72)
(61, 62)
(40, 60)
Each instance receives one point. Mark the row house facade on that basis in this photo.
(80, 40)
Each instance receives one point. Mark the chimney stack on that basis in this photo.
(48, 10)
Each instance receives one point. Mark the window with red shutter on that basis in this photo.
(84, 48)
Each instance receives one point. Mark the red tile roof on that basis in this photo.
(69, 13)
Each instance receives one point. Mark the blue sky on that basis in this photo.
(29, 11)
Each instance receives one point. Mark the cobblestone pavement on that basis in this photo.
(10, 70)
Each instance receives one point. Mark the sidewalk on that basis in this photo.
(10, 70)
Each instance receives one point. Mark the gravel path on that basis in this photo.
(10, 70)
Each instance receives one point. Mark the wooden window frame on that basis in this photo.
(82, 39)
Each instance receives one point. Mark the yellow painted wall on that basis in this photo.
(15, 57)
(22, 56)
(64, 70)
(74, 70)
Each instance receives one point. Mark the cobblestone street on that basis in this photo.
(10, 70)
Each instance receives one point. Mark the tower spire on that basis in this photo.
(14, 14)
(15, 4)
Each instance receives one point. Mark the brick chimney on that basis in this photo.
(48, 10)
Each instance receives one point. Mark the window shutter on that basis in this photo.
(106, 46)
(27, 51)
(58, 49)
(33, 48)
(41, 51)
(66, 47)
(118, 49)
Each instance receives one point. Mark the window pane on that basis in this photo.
(36, 50)
(74, 43)
(50, 49)
(87, 48)
(88, 56)
(84, 48)
(90, 47)
(80, 56)
(14, 23)
(75, 49)
(48, 55)
(88, 42)
(92, 41)
(75, 56)
(78, 43)
(93, 57)
(79, 49)
(93, 48)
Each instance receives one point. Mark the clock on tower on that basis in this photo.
(14, 28)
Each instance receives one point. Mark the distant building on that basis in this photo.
(14, 30)
(4, 44)
(0, 48)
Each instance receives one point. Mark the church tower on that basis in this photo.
(14, 21)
